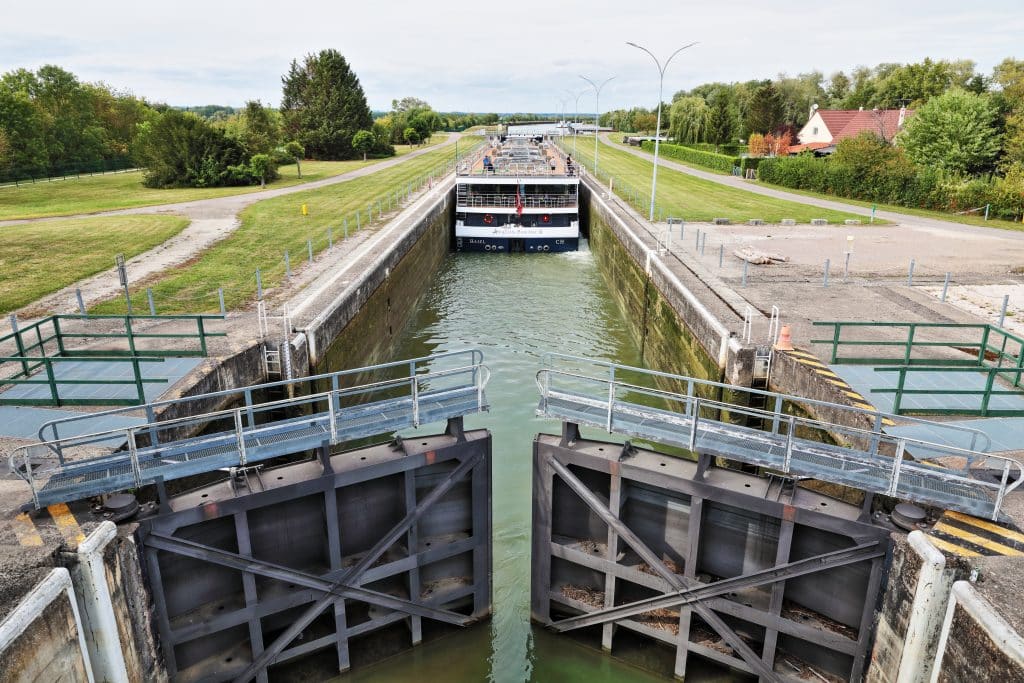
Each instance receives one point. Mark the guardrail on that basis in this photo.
(986, 343)
(875, 460)
(68, 468)
(985, 394)
(61, 339)
(530, 201)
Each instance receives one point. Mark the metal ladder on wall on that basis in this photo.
(275, 364)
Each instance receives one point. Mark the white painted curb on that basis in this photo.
(927, 611)
(98, 620)
(56, 584)
(1003, 636)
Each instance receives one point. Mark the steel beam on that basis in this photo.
(270, 654)
(270, 570)
(651, 558)
(699, 591)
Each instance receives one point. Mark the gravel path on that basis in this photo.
(211, 221)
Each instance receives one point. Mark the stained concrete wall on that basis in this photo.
(675, 332)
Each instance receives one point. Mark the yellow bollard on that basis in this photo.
(305, 210)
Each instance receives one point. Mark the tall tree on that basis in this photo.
(688, 119)
(766, 111)
(955, 131)
(324, 105)
(259, 131)
(721, 118)
(1009, 76)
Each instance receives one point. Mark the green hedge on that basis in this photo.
(717, 162)
(729, 149)
(902, 184)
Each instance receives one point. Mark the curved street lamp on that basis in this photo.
(575, 117)
(657, 132)
(597, 112)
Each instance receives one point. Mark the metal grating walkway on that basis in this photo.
(868, 460)
(249, 434)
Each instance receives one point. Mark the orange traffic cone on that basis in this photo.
(785, 342)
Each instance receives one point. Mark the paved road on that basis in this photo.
(756, 188)
(211, 221)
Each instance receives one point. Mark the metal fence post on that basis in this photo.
(693, 425)
(1002, 313)
(240, 436)
(746, 264)
(721, 254)
(131, 333)
(910, 274)
(789, 444)
(81, 301)
(149, 298)
(945, 287)
(825, 281)
(220, 299)
(139, 386)
(846, 267)
(259, 285)
(309, 249)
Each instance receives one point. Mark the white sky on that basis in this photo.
(521, 55)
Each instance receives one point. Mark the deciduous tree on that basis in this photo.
(955, 131)
(363, 142)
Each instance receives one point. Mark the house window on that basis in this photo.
(814, 131)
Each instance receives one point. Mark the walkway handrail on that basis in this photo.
(878, 417)
(986, 393)
(692, 405)
(986, 333)
(475, 358)
(243, 420)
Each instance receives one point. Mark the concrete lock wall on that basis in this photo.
(675, 332)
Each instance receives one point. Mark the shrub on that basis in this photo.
(717, 162)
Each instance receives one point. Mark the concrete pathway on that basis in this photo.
(211, 221)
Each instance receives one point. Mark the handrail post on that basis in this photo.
(693, 424)
(131, 334)
(31, 479)
(140, 388)
(897, 467)
(333, 416)
(876, 433)
(984, 344)
(154, 439)
(910, 343)
(415, 401)
(789, 443)
(54, 394)
(20, 343)
(611, 397)
(240, 436)
(835, 342)
(1002, 490)
(249, 413)
(133, 454)
(988, 391)
(777, 415)
(57, 333)
(202, 335)
(898, 401)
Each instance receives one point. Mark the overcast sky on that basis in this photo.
(521, 55)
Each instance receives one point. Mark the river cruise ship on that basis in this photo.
(520, 194)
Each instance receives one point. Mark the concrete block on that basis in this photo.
(852, 221)
(788, 221)
(721, 221)
(755, 221)
(819, 221)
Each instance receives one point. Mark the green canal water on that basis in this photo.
(515, 308)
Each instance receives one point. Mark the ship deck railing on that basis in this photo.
(508, 201)
(428, 389)
(718, 420)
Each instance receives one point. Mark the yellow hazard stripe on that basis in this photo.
(826, 373)
(977, 540)
(25, 529)
(66, 523)
(951, 548)
(987, 526)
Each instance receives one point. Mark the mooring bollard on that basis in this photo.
(827, 263)
(309, 249)
(287, 264)
(259, 285)
(149, 298)
(745, 265)
(81, 302)
(1002, 313)
(910, 274)
(945, 288)
(220, 299)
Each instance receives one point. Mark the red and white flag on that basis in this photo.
(519, 202)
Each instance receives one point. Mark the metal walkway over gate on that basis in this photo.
(701, 416)
(409, 393)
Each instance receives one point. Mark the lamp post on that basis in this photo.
(657, 132)
(597, 112)
(575, 117)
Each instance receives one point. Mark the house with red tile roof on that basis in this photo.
(826, 127)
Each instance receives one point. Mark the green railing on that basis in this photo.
(979, 343)
(34, 354)
(910, 348)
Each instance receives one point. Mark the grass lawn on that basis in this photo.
(37, 259)
(91, 194)
(268, 229)
(690, 198)
(972, 219)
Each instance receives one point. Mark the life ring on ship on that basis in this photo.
(546, 248)
(545, 218)
(488, 218)
(487, 247)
